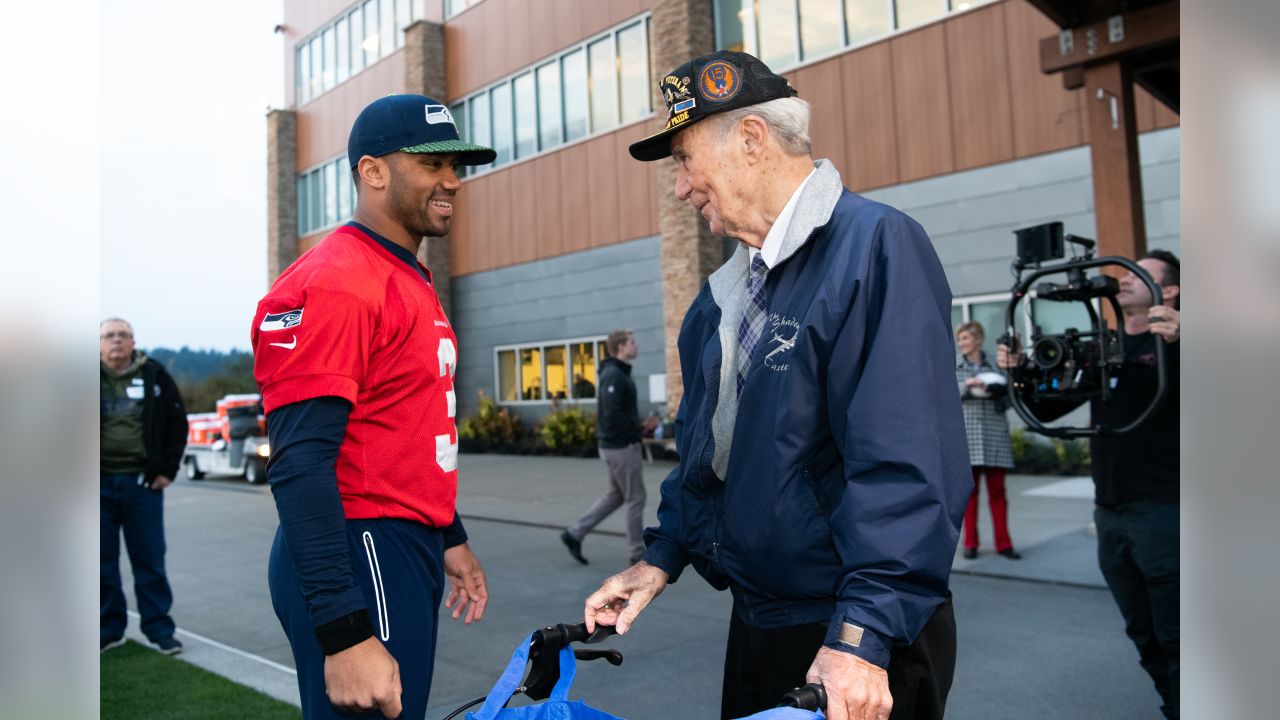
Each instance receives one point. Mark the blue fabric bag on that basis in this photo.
(786, 713)
(556, 707)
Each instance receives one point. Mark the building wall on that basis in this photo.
(586, 293)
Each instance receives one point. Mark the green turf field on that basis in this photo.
(138, 682)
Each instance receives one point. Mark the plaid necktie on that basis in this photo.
(752, 325)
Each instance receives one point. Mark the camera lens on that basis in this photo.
(1049, 352)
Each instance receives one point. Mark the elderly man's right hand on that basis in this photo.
(362, 678)
(621, 598)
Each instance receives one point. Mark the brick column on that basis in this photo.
(681, 31)
(424, 74)
(282, 191)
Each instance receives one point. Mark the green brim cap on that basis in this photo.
(469, 154)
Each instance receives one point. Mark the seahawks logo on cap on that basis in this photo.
(437, 114)
(281, 321)
(719, 81)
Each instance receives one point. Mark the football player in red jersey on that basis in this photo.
(356, 359)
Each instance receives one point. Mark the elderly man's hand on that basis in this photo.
(621, 598)
(856, 689)
(1165, 322)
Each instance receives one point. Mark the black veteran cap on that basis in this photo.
(723, 80)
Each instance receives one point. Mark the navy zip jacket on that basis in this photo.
(832, 490)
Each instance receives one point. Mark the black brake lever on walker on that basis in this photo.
(809, 697)
(544, 654)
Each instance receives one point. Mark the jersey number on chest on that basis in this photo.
(446, 446)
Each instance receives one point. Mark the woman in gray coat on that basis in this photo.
(982, 395)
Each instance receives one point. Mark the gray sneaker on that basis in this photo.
(168, 646)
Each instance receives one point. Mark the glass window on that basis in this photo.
(330, 57)
(304, 73)
(343, 69)
(604, 104)
(549, 124)
(330, 184)
(729, 24)
(357, 40)
(386, 28)
(531, 374)
(1053, 317)
(914, 12)
(583, 358)
(304, 208)
(403, 19)
(500, 102)
(866, 19)
(574, 72)
(633, 72)
(317, 66)
(526, 123)
(480, 121)
(345, 188)
(777, 25)
(317, 199)
(820, 27)
(370, 42)
(557, 378)
(508, 379)
(602, 351)
(957, 317)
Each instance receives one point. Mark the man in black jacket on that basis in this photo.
(618, 432)
(143, 433)
(1136, 475)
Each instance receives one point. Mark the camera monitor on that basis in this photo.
(1039, 243)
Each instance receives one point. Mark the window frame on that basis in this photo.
(566, 344)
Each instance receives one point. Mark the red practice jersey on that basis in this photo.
(351, 320)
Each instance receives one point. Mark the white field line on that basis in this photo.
(228, 648)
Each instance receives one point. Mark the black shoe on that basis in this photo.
(168, 646)
(1011, 554)
(575, 546)
(970, 553)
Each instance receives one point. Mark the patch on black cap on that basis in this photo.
(707, 85)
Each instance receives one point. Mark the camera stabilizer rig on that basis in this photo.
(1076, 365)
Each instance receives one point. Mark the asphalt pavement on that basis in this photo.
(1038, 637)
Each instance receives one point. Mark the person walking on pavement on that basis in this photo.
(619, 435)
(143, 434)
(990, 449)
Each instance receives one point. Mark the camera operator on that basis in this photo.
(1136, 474)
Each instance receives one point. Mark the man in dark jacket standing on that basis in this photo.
(618, 432)
(823, 463)
(143, 433)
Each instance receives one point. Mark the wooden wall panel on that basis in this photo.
(870, 130)
(324, 124)
(574, 198)
(1165, 117)
(502, 220)
(602, 191)
(637, 194)
(460, 236)
(549, 233)
(1045, 116)
(981, 119)
(522, 206)
(480, 235)
(821, 85)
(1150, 113)
(921, 104)
(542, 28)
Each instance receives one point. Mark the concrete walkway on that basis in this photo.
(1044, 618)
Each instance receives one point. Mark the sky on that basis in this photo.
(185, 91)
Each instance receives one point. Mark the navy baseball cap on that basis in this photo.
(412, 124)
(724, 80)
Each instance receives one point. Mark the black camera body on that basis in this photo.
(1076, 365)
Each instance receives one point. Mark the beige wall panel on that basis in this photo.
(1045, 116)
(522, 208)
(479, 224)
(497, 206)
(637, 198)
(601, 199)
(1144, 109)
(307, 242)
(821, 86)
(573, 198)
(921, 104)
(325, 123)
(1164, 116)
(461, 238)
(543, 34)
(491, 51)
(568, 20)
(516, 19)
(870, 131)
(550, 228)
(981, 118)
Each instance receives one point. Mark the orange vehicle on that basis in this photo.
(231, 441)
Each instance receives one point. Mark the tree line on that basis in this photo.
(205, 376)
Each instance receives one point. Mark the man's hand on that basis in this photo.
(1007, 359)
(621, 598)
(468, 589)
(363, 678)
(1165, 322)
(856, 689)
(160, 482)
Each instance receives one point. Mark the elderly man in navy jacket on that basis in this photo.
(823, 466)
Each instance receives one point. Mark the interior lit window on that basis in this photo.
(531, 374)
(582, 356)
(508, 376)
(557, 373)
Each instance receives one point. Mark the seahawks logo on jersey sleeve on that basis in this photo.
(281, 321)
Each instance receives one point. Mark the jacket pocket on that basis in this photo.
(824, 475)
